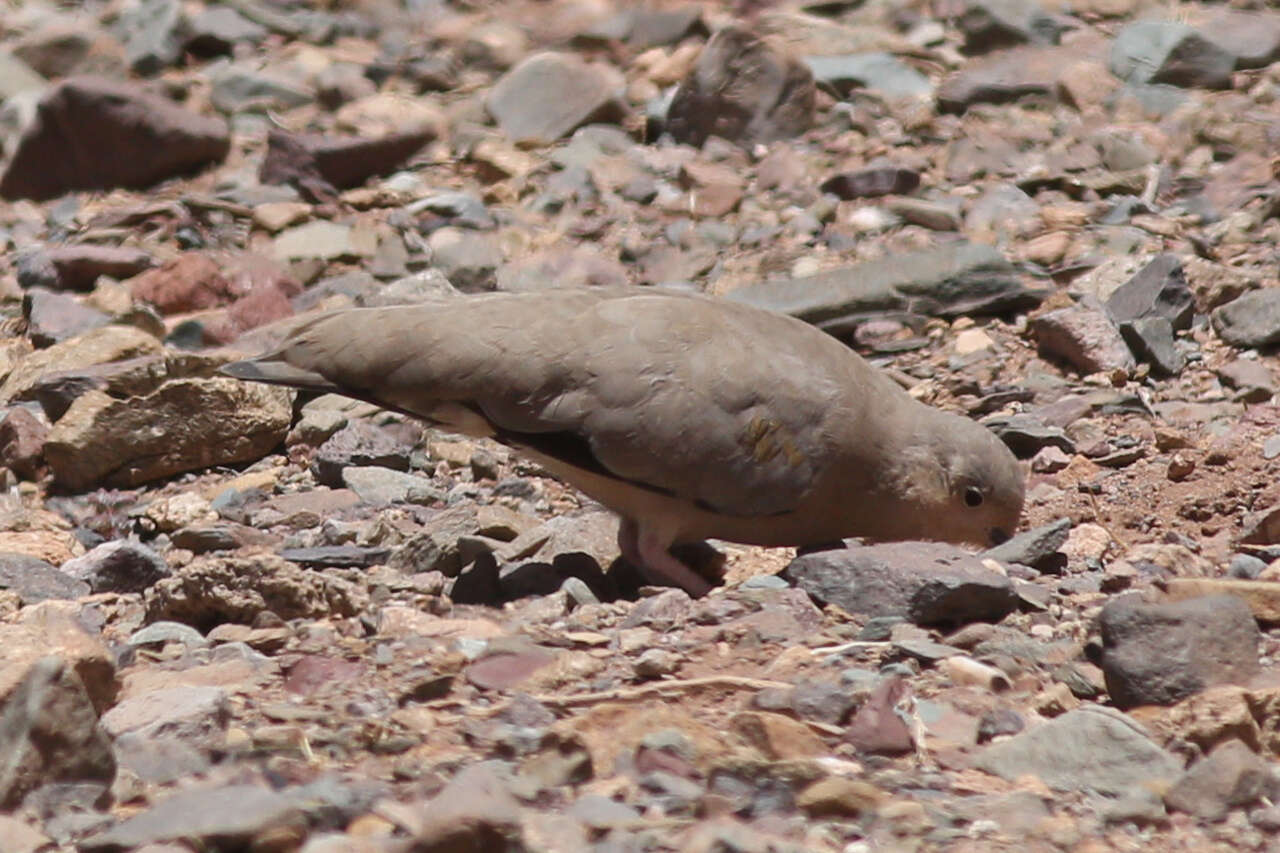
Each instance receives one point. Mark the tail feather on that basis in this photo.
(273, 372)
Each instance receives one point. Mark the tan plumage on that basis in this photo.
(692, 418)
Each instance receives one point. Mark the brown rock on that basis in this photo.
(1263, 597)
(777, 736)
(744, 89)
(1085, 339)
(99, 346)
(185, 425)
(77, 267)
(190, 282)
(93, 133)
(839, 797)
(879, 726)
(22, 437)
(1231, 776)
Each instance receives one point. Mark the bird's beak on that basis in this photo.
(997, 536)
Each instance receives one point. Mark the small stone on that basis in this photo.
(840, 798)
(1231, 776)
(1085, 339)
(120, 566)
(549, 95)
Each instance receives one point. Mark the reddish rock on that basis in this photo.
(190, 282)
(879, 726)
(22, 436)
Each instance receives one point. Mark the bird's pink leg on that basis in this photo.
(648, 551)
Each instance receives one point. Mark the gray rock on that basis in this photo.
(22, 437)
(1004, 76)
(475, 811)
(92, 133)
(549, 95)
(928, 583)
(1151, 340)
(882, 73)
(35, 580)
(1026, 434)
(1253, 39)
(49, 732)
(214, 818)
(469, 259)
(1252, 380)
(1157, 654)
(153, 33)
(1037, 548)
(1159, 289)
(359, 443)
(215, 31)
(236, 89)
(160, 633)
(963, 278)
(337, 556)
(1169, 52)
(1084, 338)
(435, 549)
(744, 90)
(1251, 320)
(991, 24)
(17, 78)
(1090, 749)
(322, 239)
(381, 486)
(195, 715)
(119, 566)
(1231, 776)
(77, 267)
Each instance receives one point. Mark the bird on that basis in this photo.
(689, 416)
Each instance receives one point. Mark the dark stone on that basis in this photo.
(1231, 776)
(1037, 548)
(119, 566)
(78, 267)
(1158, 654)
(337, 556)
(1151, 340)
(92, 133)
(35, 580)
(22, 436)
(870, 183)
(1159, 289)
(318, 166)
(53, 317)
(1152, 51)
(1251, 320)
(929, 583)
(743, 90)
(359, 443)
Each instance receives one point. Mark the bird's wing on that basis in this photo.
(727, 406)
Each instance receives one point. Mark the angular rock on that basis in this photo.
(882, 73)
(213, 590)
(337, 556)
(153, 32)
(22, 437)
(49, 729)
(928, 583)
(91, 133)
(1084, 338)
(1038, 548)
(964, 278)
(870, 183)
(1159, 289)
(1170, 52)
(77, 267)
(1026, 435)
(469, 259)
(549, 95)
(1157, 654)
(1252, 380)
(359, 443)
(1232, 776)
(53, 317)
(192, 281)
(991, 24)
(1262, 597)
(1150, 339)
(878, 727)
(318, 166)
(382, 486)
(1006, 76)
(743, 89)
(218, 29)
(100, 346)
(195, 715)
(1091, 748)
(237, 88)
(1253, 39)
(185, 425)
(225, 818)
(1251, 320)
(475, 811)
(120, 566)
(35, 580)
(133, 377)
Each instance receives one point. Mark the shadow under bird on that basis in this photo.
(692, 418)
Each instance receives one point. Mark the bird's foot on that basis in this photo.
(651, 554)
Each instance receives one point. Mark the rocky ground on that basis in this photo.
(236, 619)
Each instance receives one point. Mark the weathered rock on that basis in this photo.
(34, 580)
(926, 582)
(100, 346)
(120, 566)
(229, 817)
(53, 317)
(22, 437)
(218, 29)
(882, 73)
(1231, 776)
(964, 278)
(1091, 748)
(1252, 380)
(869, 183)
(1261, 596)
(1151, 340)
(475, 811)
(1084, 338)
(991, 24)
(1006, 76)
(549, 95)
(1169, 52)
(879, 726)
(1253, 39)
(1159, 289)
(192, 281)
(359, 443)
(92, 133)
(213, 590)
(1039, 547)
(185, 425)
(1251, 320)
(318, 166)
(77, 267)
(743, 89)
(195, 715)
(240, 87)
(1157, 654)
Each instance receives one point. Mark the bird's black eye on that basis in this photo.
(973, 496)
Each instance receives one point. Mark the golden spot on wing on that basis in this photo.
(765, 438)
